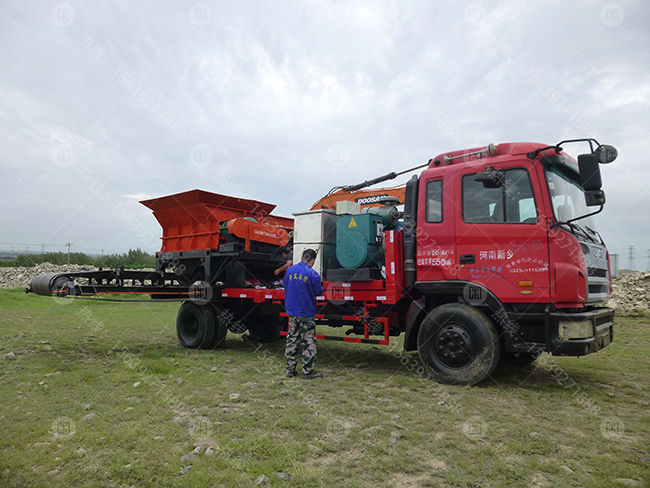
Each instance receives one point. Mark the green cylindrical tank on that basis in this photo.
(357, 242)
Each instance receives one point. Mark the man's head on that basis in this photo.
(309, 256)
(284, 251)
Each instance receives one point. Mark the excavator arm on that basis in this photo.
(365, 197)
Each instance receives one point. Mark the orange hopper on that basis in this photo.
(192, 220)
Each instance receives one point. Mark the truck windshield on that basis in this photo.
(568, 198)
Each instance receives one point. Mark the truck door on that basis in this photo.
(501, 236)
(435, 238)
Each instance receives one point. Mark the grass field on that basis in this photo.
(101, 394)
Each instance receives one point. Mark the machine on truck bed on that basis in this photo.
(495, 257)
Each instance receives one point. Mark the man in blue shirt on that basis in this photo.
(301, 284)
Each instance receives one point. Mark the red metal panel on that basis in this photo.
(191, 220)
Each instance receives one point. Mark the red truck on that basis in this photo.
(494, 258)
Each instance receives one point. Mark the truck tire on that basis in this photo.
(195, 325)
(517, 359)
(458, 344)
(220, 329)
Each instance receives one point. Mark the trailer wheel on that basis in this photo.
(517, 359)
(458, 344)
(195, 325)
(220, 329)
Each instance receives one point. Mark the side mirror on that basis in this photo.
(589, 172)
(606, 153)
(590, 179)
(491, 178)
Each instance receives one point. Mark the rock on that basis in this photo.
(566, 469)
(136, 384)
(56, 373)
(199, 450)
(41, 444)
(534, 435)
(282, 476)
(285, 391)
(209, 451)
(262, 480)
(209, 442)
(185, 469)
(9, 355)
(86, 406)
(189, 457)
(234, 396)
(81, 451)
(89, 416)
(626, 482)
(179, 381)
(213, 370)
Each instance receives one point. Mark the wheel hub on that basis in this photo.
(454, 346)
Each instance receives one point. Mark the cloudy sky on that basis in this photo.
(104, 103)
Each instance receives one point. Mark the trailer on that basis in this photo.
(494, 258)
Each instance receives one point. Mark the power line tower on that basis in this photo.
(647, 257)
(42, 248)
(631, 254)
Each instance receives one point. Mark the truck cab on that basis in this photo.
(507, 231)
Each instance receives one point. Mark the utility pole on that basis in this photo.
(647, 257)
(69, 244)
(42, 248)
(631, 254)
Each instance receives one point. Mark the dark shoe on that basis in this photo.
(311, 376)
(291, 374)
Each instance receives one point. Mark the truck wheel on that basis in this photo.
(220, 329)
(458, 344)
(195, 325)
(517, 359)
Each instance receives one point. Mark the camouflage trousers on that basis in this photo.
(302, 332)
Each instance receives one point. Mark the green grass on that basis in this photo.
(369, 422)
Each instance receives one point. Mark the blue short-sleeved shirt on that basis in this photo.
(301, 284)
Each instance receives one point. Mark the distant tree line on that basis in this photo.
(134, 259)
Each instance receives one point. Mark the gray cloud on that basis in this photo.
(132, 87)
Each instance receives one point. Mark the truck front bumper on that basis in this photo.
(602, 327)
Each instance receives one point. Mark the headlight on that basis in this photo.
(576, 330)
